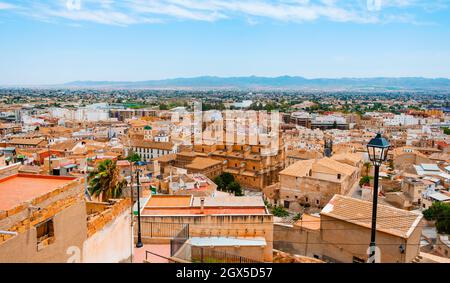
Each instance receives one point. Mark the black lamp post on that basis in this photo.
(377, 149)
(138, 170)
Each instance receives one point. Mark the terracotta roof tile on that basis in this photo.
(390, 220)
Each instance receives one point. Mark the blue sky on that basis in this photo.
(45, 42)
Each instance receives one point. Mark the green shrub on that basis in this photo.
(279, 211)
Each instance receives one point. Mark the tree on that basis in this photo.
(446, 130)
(134, 157)
(106, 182)
(219, 182)
(235, 187)
(335, 124)
(440, 212)
(227, 179)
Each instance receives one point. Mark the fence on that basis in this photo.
(163, 230)
(198, 254)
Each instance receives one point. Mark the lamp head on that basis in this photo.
(377, 148)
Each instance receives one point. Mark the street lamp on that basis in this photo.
(138, 170)
(377, 149)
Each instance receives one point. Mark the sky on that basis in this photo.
(52, 42)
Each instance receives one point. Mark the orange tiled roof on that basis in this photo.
(202, 163)
(390, 220)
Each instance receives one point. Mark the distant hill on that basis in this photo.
(273, 82)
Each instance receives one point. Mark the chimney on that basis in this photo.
(202, 205)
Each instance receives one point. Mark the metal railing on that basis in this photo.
(147, 253)
(179, 240)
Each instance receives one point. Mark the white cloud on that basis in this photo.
(6, 6)
(128, 12)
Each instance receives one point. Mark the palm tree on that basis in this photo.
(367, 165)
(107, 182)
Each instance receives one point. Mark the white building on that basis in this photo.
(401, 120)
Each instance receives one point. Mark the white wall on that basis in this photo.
(111, 244)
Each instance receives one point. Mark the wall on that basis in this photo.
(303, 190)
(341, 245)
(10, 170)
(295, 240)
(113, 243)
(70, 231)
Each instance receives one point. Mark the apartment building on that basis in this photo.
(341, 233)
(148, 150)
(47, 219)
(241, 226)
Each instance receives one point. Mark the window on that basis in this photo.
(45, 234)
(306, 199)
(339, 176)
(317, 202)
(286, 204)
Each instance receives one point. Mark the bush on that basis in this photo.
(365, 180)
(279, 211)
(297, 217)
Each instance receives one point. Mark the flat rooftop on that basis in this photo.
(227, 241)
(187, 205)
(169, 201)
(21, 188)
(168, 211)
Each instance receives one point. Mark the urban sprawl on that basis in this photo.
(224, 175)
